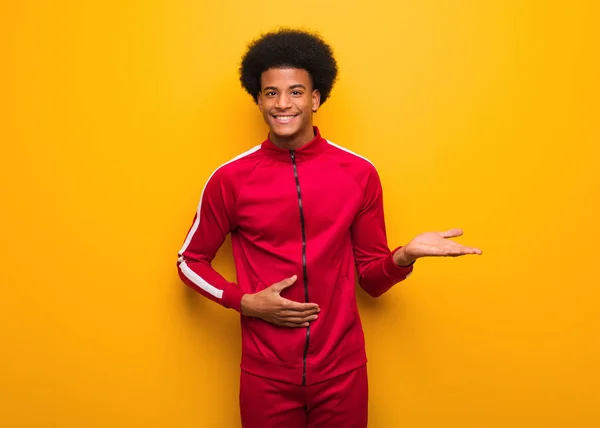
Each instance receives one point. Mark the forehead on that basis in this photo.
(285, 77)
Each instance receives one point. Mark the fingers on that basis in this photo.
(300, 320)
(456, 249)
(452, 233)
(297, 321)
(282, 285)
(290, 305)
(293, 318)
(300, 314)
(461, 250)
(292, 325)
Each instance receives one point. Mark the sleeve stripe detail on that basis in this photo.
(349, 151)
(188, 239)
(197, 279)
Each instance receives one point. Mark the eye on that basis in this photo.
(270, 93)
(296, 93)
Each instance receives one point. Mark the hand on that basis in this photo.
(269, 306)
(433, 244)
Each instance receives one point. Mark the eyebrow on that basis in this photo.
(297, 85)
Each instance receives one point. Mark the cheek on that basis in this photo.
(260, 102)
(307, 107)
(308, 104)
(265, 106)
(262, 109)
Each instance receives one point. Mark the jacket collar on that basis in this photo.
(311, 149)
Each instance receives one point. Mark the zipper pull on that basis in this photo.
(293, 155)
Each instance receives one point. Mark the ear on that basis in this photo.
(259, 101)
(316, 100)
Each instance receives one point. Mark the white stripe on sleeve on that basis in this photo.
(197, 222)
(185, 269)
(197, 279)
(350, 151)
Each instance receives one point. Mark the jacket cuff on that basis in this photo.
(392, 270)
(232, 297)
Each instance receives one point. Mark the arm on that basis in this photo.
(212, 222)
(377, 269)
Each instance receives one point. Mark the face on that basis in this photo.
(287, 101)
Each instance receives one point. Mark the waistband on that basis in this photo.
(333, 366)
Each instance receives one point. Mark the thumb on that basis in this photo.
(282, 285)
(452, 233)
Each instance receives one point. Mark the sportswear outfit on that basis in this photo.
(315, 212)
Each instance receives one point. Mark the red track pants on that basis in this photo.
(339, 402)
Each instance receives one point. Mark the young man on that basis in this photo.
(302, 213)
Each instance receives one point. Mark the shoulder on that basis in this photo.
(239, 166)
(351, 161)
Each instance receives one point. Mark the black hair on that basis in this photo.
(289, 48)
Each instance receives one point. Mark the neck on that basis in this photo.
(294, 142)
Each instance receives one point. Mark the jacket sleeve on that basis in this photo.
(214, 219)
(377, 271)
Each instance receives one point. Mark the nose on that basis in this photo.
(283, 101)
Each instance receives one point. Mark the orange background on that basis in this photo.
(481, 115)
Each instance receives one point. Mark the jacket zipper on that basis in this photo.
(293, 155)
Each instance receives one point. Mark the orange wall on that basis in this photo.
(482, 115)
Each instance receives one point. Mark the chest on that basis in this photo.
(276, 202)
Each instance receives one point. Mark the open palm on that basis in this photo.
(438, 244)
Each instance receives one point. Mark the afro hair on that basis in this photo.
(289, 48)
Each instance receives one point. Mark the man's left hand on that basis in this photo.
(433, 244)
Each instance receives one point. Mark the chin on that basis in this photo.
(284, 133)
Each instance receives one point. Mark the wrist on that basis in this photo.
(246, 305)
(402, 259)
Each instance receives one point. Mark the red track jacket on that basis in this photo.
(316, 212)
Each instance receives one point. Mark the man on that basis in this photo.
(302, 213)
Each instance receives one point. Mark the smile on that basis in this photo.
(284, 119)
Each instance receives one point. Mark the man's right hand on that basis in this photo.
(268, 305)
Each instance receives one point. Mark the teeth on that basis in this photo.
(285, 117)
